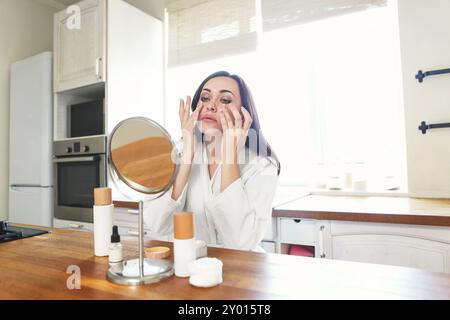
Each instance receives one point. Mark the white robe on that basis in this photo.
(236, 218)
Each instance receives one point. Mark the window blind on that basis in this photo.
(285, 13)
(201, 30)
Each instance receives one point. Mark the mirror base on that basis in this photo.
(164, 268)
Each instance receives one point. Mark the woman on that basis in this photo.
(228, 172)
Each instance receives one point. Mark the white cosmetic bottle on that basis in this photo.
(184, 249)
(103, 219)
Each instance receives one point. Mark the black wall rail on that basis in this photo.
(424, 126)
(421, 75)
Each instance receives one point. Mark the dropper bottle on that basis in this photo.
(115, 248)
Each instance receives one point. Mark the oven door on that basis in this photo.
(75, 180)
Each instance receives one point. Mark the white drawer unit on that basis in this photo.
(298, 231)
(127, 222)
(393, 250)
(434, 233)
(124, 218)
(424, 247)
(304, 232)
(130, 233)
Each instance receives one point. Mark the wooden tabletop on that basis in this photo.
(401, 210)
(35, 268)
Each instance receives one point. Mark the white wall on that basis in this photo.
(25, 30)
(425, 45)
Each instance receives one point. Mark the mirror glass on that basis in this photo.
(140, 153)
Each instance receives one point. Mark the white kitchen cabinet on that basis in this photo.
(305, 232)
(80, 50)
(117, 56)
(424, 247)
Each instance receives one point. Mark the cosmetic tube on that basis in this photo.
(184, 249)
(103, 219)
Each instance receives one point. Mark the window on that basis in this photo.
(327, 86)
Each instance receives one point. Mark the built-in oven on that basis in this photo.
(79, 166)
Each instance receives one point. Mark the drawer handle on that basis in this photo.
(135, 232)
(321, 249)
(97, 68)
(76, 226)
(297, 220)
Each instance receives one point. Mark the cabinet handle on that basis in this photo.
(135, 232)
(321, 252)
(297, 220)
(97, 68)
(76, 226)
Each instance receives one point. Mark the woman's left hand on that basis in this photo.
(234, 132)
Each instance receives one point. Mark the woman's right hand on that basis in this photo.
(188, 121)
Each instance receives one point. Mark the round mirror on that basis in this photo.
(140, 154)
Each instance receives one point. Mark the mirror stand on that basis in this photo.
(140, 159)
(160, 269)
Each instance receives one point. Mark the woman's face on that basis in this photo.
(217, 94)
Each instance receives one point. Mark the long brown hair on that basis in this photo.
(262, 146)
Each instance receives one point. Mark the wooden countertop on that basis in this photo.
(283, 195)
(398, 210)
(369, 209)
(35, 268)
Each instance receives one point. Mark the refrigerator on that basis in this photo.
(30, 141)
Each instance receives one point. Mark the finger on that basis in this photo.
(188, 104)
(228, 119)
(181, 110)
(237, 117)
(223, 121)
(185, 112)
(194, 116)
(200, 108)
(248, 119)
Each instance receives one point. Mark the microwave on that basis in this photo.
(87, 119)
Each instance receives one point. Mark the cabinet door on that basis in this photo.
(80, 49)
(392, 250)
